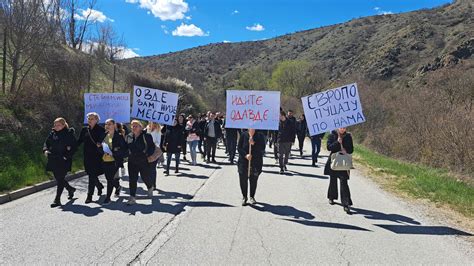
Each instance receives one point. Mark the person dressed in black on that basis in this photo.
(256, 140)
(59, 147)
(231, 138)
(172, 145)
(92, 137)
(301, 131)
(184, 134)
(212, 132)
(286, 133)
(201, 128)
(114, 149)
(316, 146)
(339, 141)
(140, 145)
(290, 116)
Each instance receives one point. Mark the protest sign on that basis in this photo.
(154, 105)
(253, 109)
(331, 109)
(108, 105)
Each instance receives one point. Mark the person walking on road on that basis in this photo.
(59, 148)
(316, 147)
(92, 136)
(154, 129)
(286, 133)
(192, 129)
(339, 141)
(301, 132)
(172, 145)
(114, 149)
(182, 125)
(256, 140)
(140, 146)
(212, 132)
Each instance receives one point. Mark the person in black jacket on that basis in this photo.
(256, 159)
(172, 145)
(316, 146)
(339, 141)
(59, 147)
(92, 137)
(184, 134)
(231, 138)
(301, 131)
(201, 128)
(212, 132)
(114, 149)
(140, 145)
(286, 133)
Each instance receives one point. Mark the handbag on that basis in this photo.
(341, 161)
(156, 154)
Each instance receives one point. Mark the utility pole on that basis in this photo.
(113, 82)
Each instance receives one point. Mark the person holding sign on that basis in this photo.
(92, 136)
(251, 147)
(339, 141)
(59, 148)
(114, 150)
(140, 146)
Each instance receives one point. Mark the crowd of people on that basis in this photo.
(149, 147)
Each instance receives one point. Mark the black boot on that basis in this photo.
(71, 193)
(89, 199)
(100, 187)
(56, 203)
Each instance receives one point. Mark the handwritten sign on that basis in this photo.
(154, 105)
(108, 105)
(253, 109)
(331, 109)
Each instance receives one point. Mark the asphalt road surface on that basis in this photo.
(197, 218)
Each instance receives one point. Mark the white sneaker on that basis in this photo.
(150, 192)
(131, 201)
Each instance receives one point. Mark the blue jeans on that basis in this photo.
(168, 159)
(316, 147)
(192, 149)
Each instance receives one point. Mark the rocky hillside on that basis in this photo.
(398, 48)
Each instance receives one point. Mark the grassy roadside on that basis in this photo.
(22, 163)
(420, 182)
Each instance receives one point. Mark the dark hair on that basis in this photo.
(120, 128)
(283, 113)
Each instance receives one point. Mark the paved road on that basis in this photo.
(197, 218)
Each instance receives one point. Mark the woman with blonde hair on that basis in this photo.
(92, 136)
(140, 146)
(114, 149)
(59, 148)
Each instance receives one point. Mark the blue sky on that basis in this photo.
(152, 27)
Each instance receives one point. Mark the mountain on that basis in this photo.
(396, 47)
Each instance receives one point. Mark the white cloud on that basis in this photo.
(235, 12)
(189, 31)
(226, 41)
(382, 12)
(123, 53)
(127, 53)
(164, 9)
(256, 27)
(94, 15)
(165, 29)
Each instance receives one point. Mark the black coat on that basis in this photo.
(92, 153)
(257, 153)
(173, 140)
(301, 128)
(217, 129)
(139, 148)
(286, 131)
(293, 123)
(61, 145)
(119, 149)
(333, 146)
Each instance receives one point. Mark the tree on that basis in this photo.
(296, 78)
(108, 44)
(254, 78)
(75, 26)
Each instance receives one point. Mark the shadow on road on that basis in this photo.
(423, 230)
(375, 215)
(328, 225)
(282, 210)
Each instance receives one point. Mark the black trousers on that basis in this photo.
(60, 176)
(345, 192)
(110, 169)
(93, 182)
(232, 147)
(200, 146)
(133, 170)
(244, 180)
(301, 143)
(211, 145)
